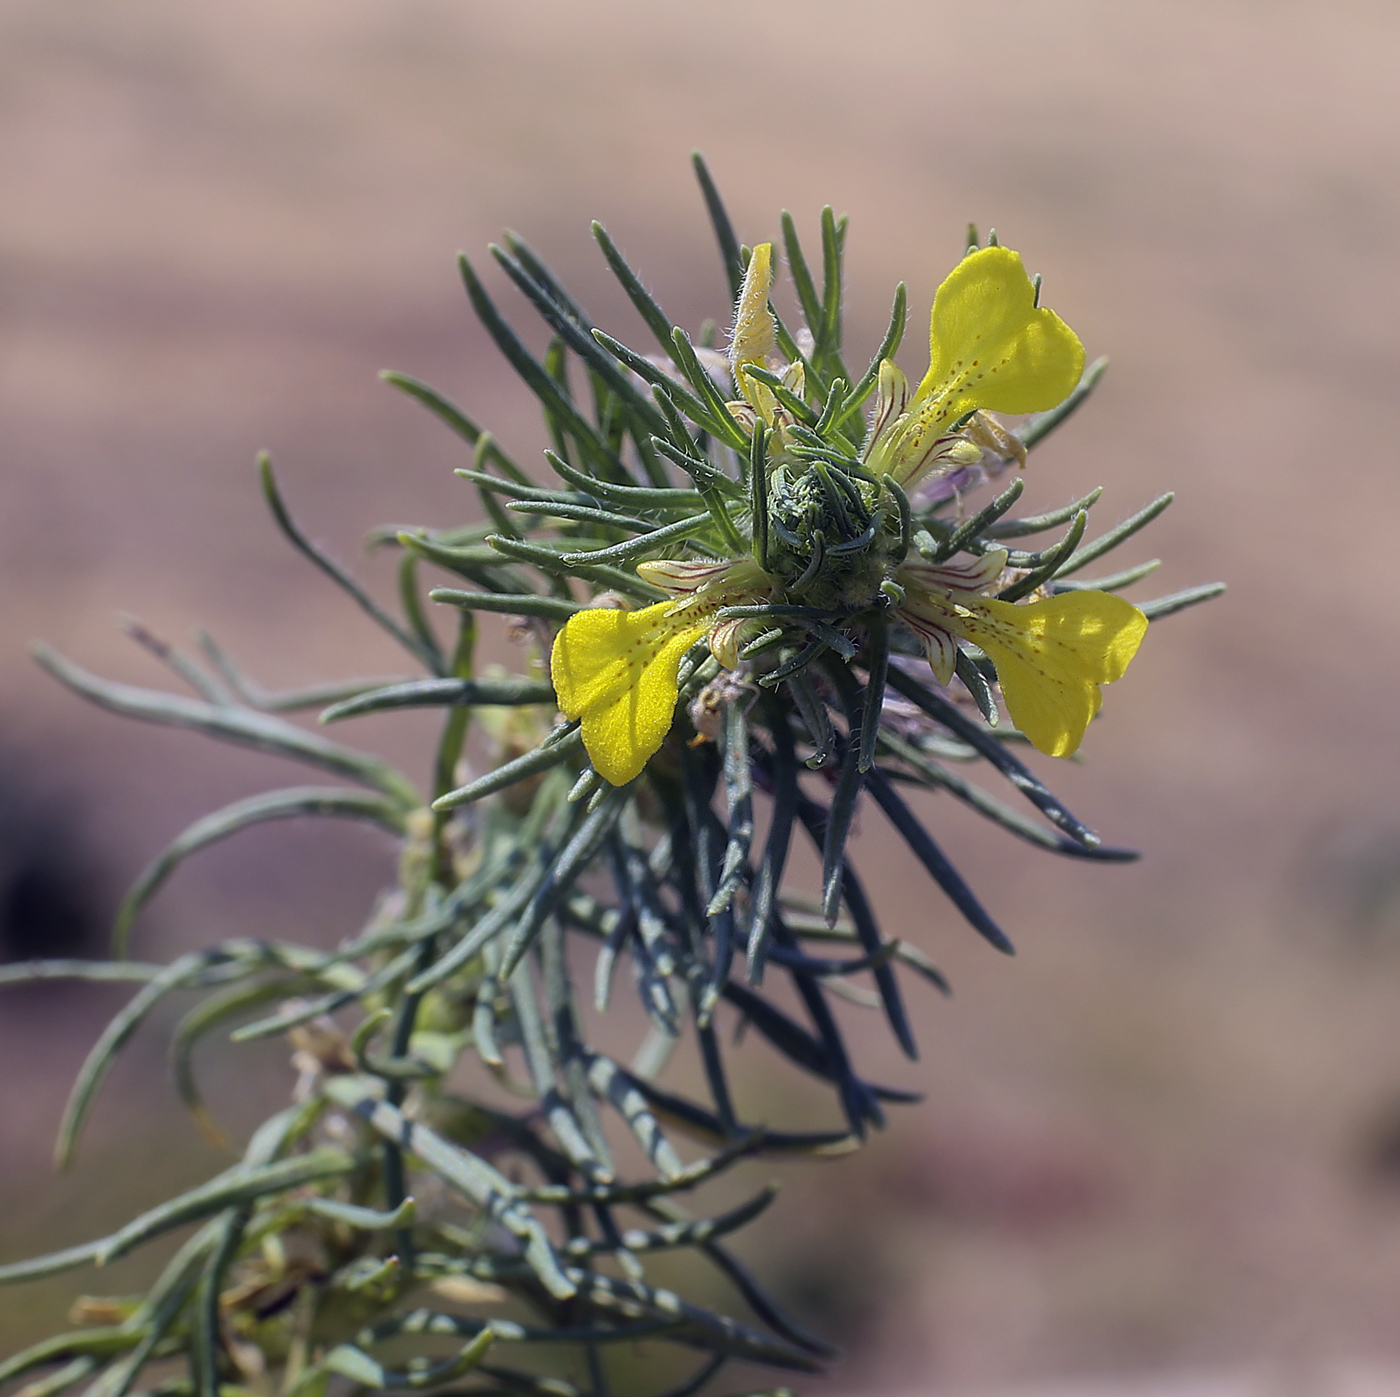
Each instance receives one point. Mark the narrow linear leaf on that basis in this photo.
(114, 1038)
(1179, 601)
(620, 1090)
(247, 729)
(838, 822)
(1052, 561)
(98, 971)
(505, 603)
(540, 759)
(939, 867)
(719, 219)
(490, 1190)
(633, 496)
(69, 1259)
(1113, 582)
(207, 1329)
(935, 776)
(441, 693)
(238, 1185)
(1105, 542)
(91, 1344)
(555, 399)
(582, 514)
(643, 543)
(551, 560)
(814, 819)
(970, 528)
(1039, 523)
(513, 490)
(328, 565)
(802, 281)
(365, 1219)
(284, 700)
(995, 752)
(448, 412)
(570, 863)
(576, 330)
(657, 321)
(1043, 423)
(293, 803)
(855, 399)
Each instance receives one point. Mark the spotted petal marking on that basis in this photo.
(1051, 657)
(991, 346)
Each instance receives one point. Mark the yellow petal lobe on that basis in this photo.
(616, 670)
(1051, 656)
(991, 346)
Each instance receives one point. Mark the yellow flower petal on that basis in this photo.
(990, 346)
(616, 670)
(754, 336)
(1051, 656)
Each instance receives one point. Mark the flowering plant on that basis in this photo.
(756, 580)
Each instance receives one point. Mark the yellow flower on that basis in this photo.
(990, 348)
(1051, 656)
(754, 341)
(617, 670)
(755, 334)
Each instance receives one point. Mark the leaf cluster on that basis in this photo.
(397, 1227)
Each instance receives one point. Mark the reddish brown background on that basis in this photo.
(1163, 1139)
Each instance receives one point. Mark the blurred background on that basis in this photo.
(1161, 1147)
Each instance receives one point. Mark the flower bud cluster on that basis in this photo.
(833, 538)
